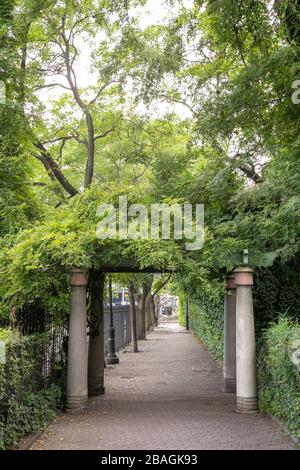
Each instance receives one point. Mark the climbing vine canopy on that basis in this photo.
(191, 103)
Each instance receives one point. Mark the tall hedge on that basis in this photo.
(181, 308)
(276, 292)
(207, 320)
(279, 373)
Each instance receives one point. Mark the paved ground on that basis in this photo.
(168, 396)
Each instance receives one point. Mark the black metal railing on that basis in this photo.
(122, 325)
(34, 320)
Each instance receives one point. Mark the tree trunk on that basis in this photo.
(138, 316)
(142, 313)
(152, 311)
(148, 312)
(53, 169)
(89, 170)
(154, 318)
(147, 303)
(139, 321)
(133, 318)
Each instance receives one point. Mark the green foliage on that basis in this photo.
(17, 203)
(236, 62)
(232, 63)
(207, 320)
(37, 263)
(276, 292)
(279, 378)
(7, 334)
(181, 308)
(26, 400)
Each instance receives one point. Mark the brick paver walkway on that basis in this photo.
(168, 396)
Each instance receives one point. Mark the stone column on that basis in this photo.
(77, 386)
(245, 342)
(96, 334)
(229, 367)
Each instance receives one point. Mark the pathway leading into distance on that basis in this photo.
(168, 396)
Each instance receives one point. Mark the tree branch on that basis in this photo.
(101, 136)
(162, 285)
(179, 101)
(53, 169)
(101, 89)
(52, 85)
(248, 170)
(71, 77)
(57, 139)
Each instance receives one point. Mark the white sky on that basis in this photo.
(155, 12)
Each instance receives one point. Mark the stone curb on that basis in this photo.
(27, 442)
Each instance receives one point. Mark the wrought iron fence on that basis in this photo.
(32, 320)
(122, 325)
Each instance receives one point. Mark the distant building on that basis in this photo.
(167, 305)
(121, 297)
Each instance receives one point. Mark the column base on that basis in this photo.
(112, 359)
(96, 387)
(77, 405)
(229, 385)
(247, 405)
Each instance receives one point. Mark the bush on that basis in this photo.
(276, 292)
(278, 376)
(181, 309)
(27, 398)
(6, 334)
